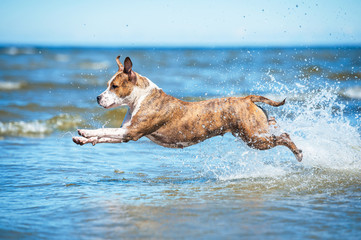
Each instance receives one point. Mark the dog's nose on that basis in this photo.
(98, 99)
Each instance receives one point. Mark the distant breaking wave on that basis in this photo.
(19, 50)
(352, 93)
(8, 86)
(38, 128)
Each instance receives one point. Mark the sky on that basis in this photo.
(180, 23)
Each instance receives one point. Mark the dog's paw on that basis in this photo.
(299, 155)
(85, 133)
(79, 140)
(83, 140)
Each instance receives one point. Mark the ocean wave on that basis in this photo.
(69, 121)
(312, 70)
(94, 65)
(8, 86)
(14, 86)
(62, 57)
(344, 76)
(39, 128)
(19, 51)
(111, 118)
(352, 92)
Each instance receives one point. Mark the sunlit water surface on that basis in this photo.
(52, 188)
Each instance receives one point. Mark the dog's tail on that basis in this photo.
(255, 98)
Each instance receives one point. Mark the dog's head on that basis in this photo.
(120, 86)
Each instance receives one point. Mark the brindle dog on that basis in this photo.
(171, 122)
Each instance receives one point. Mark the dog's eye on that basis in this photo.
(115, 86)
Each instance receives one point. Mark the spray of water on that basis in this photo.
(316, 122)
(323, 132)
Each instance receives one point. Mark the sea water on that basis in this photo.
(51, 188)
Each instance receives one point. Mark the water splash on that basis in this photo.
(326, 136)
(316, 123)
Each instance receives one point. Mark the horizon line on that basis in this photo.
(184, 46)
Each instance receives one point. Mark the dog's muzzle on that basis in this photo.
(98, 99)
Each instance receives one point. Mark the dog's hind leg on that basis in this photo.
(269, 141)
(285, 140)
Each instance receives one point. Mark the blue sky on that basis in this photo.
(180, 23)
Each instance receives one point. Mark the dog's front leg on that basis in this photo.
(102, 135)
(114, 133)
(94, 140)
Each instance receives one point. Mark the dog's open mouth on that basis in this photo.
(110, 106)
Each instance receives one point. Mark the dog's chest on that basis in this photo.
(167, 141)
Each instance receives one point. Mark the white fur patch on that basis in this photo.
(115, 133)
(109, 98)
(135, 99)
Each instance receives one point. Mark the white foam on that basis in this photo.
(352, 92)
(22, 128)
(39, 127)
(252, 166)
(18, 51)
(5, 85)
(242, 162)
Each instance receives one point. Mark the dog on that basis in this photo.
(173, 123)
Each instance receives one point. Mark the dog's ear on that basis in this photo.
(127, 65)
(132, 77)
(119, 64)
(128, 69)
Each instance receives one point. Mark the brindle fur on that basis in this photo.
(174, 123)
